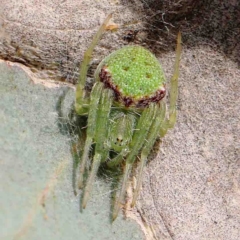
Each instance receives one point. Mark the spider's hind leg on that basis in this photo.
(82, 102)
(171, 120)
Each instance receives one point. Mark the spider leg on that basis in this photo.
(92, 116)
(151, 138)
(143, 125)
(82, 102)
(170, 122)
(118, 159)
(160, 122)
(101, 130)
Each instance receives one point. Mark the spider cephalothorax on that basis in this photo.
(125, 112)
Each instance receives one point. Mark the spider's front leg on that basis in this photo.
(98, 120)
(85, 105)
(91, 128)
(150, 140)
(141, 132)
(161, 122)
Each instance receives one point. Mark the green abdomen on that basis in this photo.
(134, 74)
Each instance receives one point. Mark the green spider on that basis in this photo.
(125, 114)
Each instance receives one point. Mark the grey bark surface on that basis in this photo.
(191, 188)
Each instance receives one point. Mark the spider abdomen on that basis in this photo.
(135, 76)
